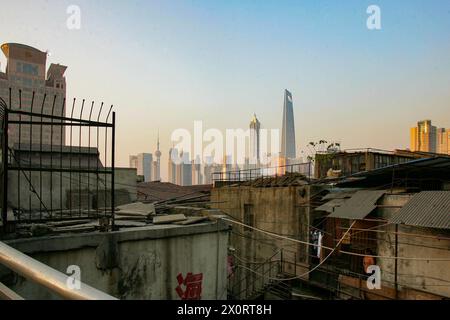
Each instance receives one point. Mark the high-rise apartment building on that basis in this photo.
(443, 141)
(423, 137)
(143, 163)
(26, 74)
(288, 147)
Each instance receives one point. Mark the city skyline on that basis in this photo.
(397, 75)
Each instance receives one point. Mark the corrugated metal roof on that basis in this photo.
(330, 205)
(429, 209)
(359, 205)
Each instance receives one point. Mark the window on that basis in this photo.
(27, 68)
(248, 217)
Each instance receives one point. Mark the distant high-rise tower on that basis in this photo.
(255, 127)
(172, 167)
(423, 137)
(443, 141)
(143, 163)
(288, 130)
(157, 163)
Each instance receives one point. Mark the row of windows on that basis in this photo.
(27, 68)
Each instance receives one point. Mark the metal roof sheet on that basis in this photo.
(359, 205)
(330, 205)
(426, 209)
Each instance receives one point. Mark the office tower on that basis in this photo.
(26, 71)
(288, 129)
(255, 127)
(423, 137)
(157, 163)
(143, 163)
(443, 141)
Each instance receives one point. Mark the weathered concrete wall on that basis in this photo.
(281, 210)
(414, 275)
(70, 184)
(139, 263)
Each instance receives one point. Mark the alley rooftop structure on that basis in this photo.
(27, 77)
(309, 238)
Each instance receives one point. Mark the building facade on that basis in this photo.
(32, 88)
(345, 163)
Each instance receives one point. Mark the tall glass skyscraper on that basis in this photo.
(288, 130)
(255, 127)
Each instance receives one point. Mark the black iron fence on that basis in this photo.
(55, 166)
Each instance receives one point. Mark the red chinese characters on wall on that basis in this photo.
(190, 288)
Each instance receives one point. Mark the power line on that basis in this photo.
(328, 248)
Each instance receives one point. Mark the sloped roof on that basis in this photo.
(429, 209)
(361, 204)
(162, 191)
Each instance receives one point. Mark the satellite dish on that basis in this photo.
(48, 53)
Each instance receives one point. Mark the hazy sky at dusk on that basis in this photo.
(164, 64)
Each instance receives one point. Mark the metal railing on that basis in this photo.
(256, 279)
(51, 163)
(52, 279)
(236, 176)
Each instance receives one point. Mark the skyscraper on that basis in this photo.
(26, 71)
(255, 127)
(443, 141)
(143, 163)
(423, 137)
(172, 167)
(288, 130)
(197, 177)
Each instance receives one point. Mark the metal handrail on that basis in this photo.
(46, 276)
(253, 173)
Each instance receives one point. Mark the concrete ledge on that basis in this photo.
(94, 239)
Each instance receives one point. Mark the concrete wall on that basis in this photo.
(414, 275)
(59, 189)
(281, 210)
(140, 263)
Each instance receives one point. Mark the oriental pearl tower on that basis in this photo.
(157, 173)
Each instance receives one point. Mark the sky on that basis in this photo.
(165, 64)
